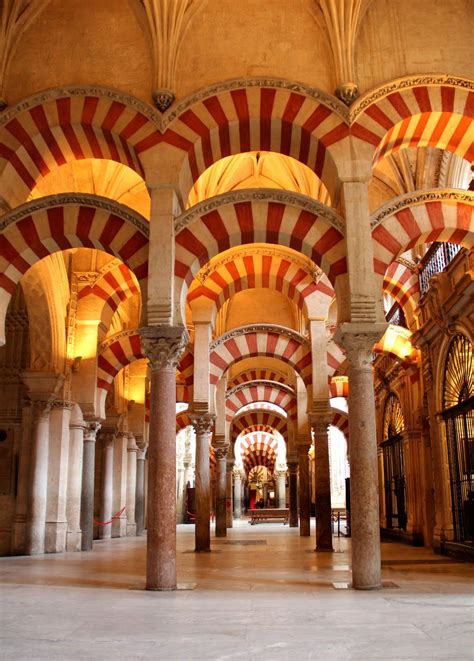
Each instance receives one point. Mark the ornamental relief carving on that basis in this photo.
(265, 383)
(289, 198)
(203, 424)
(118, 336)
(259, 328)
(411, 199)
(163, 345)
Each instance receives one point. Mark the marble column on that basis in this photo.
(323, 482)
(237, 494)
(203, 425)
(119, 499)
(140, 492)
(132, 449)
(365, 525)
(293, 480)
(74, 484)
(229, 504)
(58, 456)
(281, 481)
(36, 516)
(87, 492)
(107, 440)
(163, 346)
(221, 488)
(21, 505)
(304, 493)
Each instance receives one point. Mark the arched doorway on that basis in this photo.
(458, 413)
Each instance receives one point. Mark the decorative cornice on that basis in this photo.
(83, 199)
(406, 262)
(326, 99)
(262, 382)
(259, 328)
(62, 404)
(297, 200)
(117, 336)
(405, 83)
(163, 345)
(305, 264)
(419, 197)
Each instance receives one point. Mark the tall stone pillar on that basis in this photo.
(132, 449)
(203, 424)
(56, 521)
(74, 482)
(281, 481)
(221, 489)
(87, 493)
(21, 505)
(36, 516)
(229, 505)
(140, 491)
(119, 501)
(304, 492)
(107, 440)
(237, 494)
(365, 525)
(293, 480)
(323, 482)
(163, 346)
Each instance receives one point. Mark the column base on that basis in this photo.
(131, 529)
(318, 549)
(377, 586)
(55, 537)
(73, 540)
(161, 589)
(202, 550)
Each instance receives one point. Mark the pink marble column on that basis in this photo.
(221, 491)
(323, 483)
(303, 490)
(237, 494)
(163, 346)
(203, 425)
(365, 524)
(229, 492)
(140, 491)
(293, 484)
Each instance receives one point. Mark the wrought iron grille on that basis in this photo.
(396, 316)
(394, 464)
(436, 260)
(458, 402)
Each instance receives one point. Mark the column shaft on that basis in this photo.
(304, 501)
(140, 493)
(323, 487)
(131, 485)
(74, 486)
(293, 480)
(281, 490)
(36, 517)
(203, 426)
(105, 531)
(221, 511)
(237, 495)
(229, 496)
(87, 492)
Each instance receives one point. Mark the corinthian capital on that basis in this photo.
(221, 453)
(90, 431)
(358, 341)
(163, 345)
(203, 423)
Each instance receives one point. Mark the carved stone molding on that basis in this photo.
(358, 341)
(265, 383)
(221, 453)
(117, 336)
(41, 409)
(82, 199)
(298, 200)
(202, 423)
(62, 404)
(163, 99)
(163, 345)
(259, 328)
(420, 197)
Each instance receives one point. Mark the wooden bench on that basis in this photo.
(268, 514)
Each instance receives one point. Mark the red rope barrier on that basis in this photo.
(116, 516)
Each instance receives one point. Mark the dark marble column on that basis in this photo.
(203, 425)
(323, 482)
(303, 490)
(107, 439)
(221, 510)
(140, 491)
(293, 484)
(163, 346)
(87, 492)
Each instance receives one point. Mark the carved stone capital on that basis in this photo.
(131, 445)
(62, 404)
(319, 425)
(358, 341)
(347, 92)
(292, 467)
(90, 431)
(163, 345)
(41, 409)
(221, 453)
(237, 472)
(202, 423)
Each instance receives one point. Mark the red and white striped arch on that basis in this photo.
(260, 391)
(252, 420)
(60, 222)
(182, 421)
(260, 270)
(339, 386)
(341, 421)
(417, 113)
(62, 125)
(257, 115)
(259, 449)
(111, 288)
(114, 354)
(257, 375)
(261, 340)
(444, 217)
(402, 283)
(186, 368)
(205, 234)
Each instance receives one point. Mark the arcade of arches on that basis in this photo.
(236, 272)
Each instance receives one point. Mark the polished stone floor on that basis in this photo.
(262, 593)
